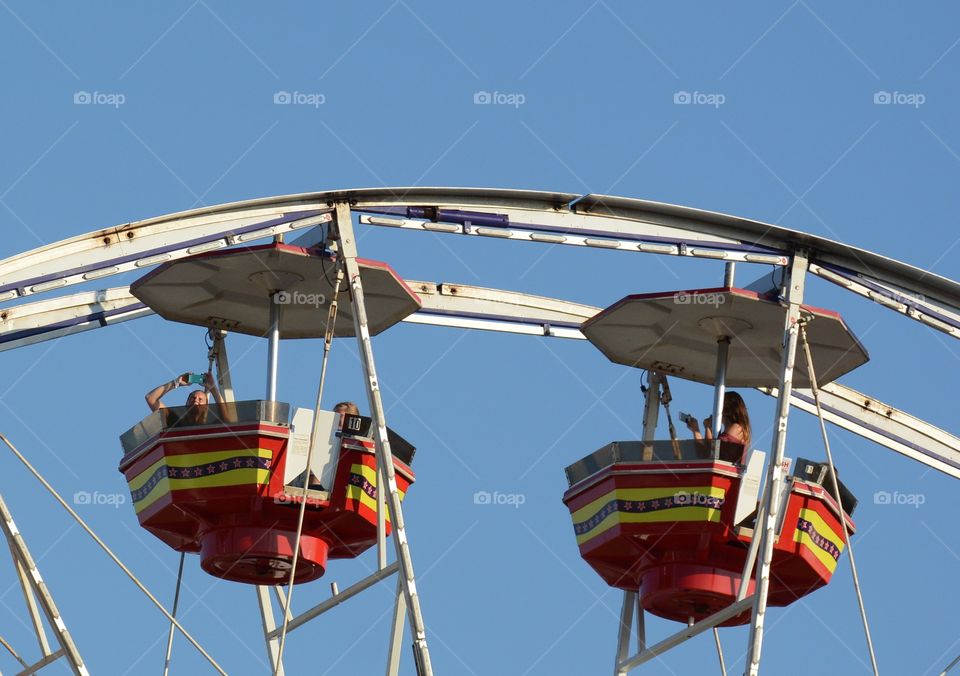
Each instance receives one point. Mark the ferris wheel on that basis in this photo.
(706, 532)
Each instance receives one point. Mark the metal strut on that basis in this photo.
(32, 584)
(113, 557)
(387, 474)
(314, 432)
(836, 494)
(173, 612)
(794, 296)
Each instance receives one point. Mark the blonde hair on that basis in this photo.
(349, 407)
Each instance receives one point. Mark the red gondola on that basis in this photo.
(674, 520)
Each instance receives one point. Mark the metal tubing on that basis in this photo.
(173, 612)
(314, 433)
(387, 473)
(219, 353)
(273, 348)
(23, 558)
(336, 600)
(950, 666)
(794, 294)
(631, 600)
(31, 602)
(663, 646)
(751, 556)
(116, 560)
(836, 496)
(641, 628)
(623, 635)
(719, 389)
(397, 625)
(729, 272)
(716, 638)
(651, 408)
(269, 624)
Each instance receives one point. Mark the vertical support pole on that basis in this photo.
(219, 351)
(387, 473)
(719, 390)
(269, 626)
(396, 631)
(623, 635)
(716, 638)
(22, 557)
(314, 435)
(794, 296)
(651, 407)
(631, 600)
(729, 271)
(273, 348)
(173, 612)
(31, 602)
(641, 628)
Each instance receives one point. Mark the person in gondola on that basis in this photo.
(198, 412)
(345, 408)
(735, 424)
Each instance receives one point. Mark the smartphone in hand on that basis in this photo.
(686, 418)
(195, 379)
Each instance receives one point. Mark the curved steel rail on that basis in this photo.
(556, 218)
(593, 221)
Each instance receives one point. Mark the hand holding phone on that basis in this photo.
(195, 379)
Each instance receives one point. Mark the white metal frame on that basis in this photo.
(594, 221)
(35, 593)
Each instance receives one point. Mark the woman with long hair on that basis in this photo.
(735, 423)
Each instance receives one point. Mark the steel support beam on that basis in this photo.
(36, 586)
(686, 633)
(387, 474)
(338, 598)
(795, 281)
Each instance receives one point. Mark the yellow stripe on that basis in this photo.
(823, 529)
(698, 513)
(357, 493)
(639, 494)
(195, 459)
(691, 513)
(234, 477)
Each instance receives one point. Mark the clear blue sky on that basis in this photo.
(797, 140)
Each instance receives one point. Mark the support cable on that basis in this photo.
(950, 666)
(836, 494)
(665, 399)
(17, 657)
(110, 553)
(176, 602)
(314, 431)
(716, 638)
